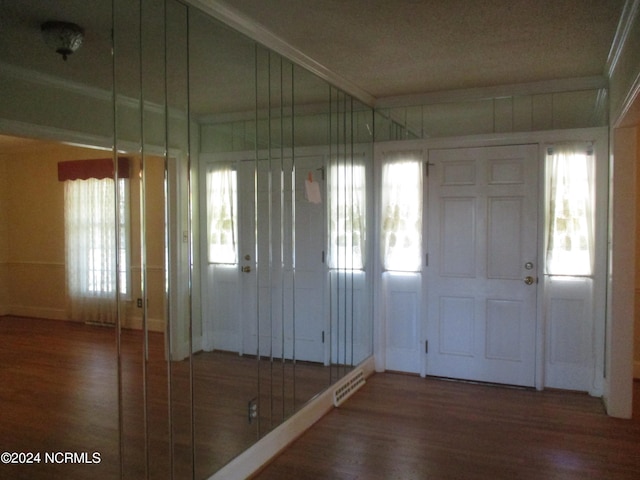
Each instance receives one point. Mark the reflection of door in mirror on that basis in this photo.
(225, 370)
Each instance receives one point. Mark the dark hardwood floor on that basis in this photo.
(405, 427)
(58, 393)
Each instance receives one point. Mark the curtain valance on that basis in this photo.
(94, 168)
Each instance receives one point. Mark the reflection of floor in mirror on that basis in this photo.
(225, 384)
(58, 393)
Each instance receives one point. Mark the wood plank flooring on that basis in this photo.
(58, 393)
(406, 427)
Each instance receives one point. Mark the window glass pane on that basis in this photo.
(90, 236)
(570, 211)
(124, 232)
(347, 192)
(402, 212)
(222, 207)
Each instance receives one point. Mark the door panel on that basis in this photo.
(309, 268)
(458, 230)
(456, 325)
(403, 313)
(246, 300)
(504, 248)
(482, 227)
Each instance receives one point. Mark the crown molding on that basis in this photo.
(70, 137)
(252, 29)
(628, 115)
(484, 93)
(51, 81)
(39, 78)
(627, 18)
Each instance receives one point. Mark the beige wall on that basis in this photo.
(32, 232)
(36, 230)
(4, 297)
(637, 289)
(623, 74)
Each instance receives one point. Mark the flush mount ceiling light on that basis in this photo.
(64, 37)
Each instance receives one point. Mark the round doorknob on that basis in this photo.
(529, 280)
(246, 269)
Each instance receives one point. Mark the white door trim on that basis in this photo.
(600, 137)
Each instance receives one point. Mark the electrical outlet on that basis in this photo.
(252, 409)
(139, 303)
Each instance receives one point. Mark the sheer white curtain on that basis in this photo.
(91, 247)
(347, 196)
(222, 207)
(401, 211)
(570, 186)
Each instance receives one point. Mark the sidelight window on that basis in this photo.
(570, 205)
(347, 192)
(222, 214)
(401, 212)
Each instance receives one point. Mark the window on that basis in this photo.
(401, 211)
(570, 204)
(347, 207)
(90, 230)
(222, 220)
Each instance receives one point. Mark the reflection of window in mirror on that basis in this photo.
(347, 194)
(402, 213)
(97, 249)
(222, 214)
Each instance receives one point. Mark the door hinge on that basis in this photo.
(427, 165)
(426, 260)
(323, 257)
(426, 346)
(323, 336)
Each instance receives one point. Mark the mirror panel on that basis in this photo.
(178, 342)
(60, 369)
(225, 367)
(131, 342)
(204, 355)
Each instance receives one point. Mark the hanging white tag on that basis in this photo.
(312, 190)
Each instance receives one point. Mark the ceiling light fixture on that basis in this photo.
(64, 37)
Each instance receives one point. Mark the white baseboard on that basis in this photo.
(196, 344)
(134, 323)
(153, 324)
(37, 312)
(264, 450)
(636, 369)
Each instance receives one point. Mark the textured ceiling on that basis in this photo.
(400, 47)
(385, 48)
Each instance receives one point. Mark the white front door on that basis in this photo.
(273, 289)
(481, 279)
(309, 267)
(283, 274)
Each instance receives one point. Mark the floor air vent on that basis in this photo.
(348, 387)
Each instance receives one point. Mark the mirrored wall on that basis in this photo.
(231, 280)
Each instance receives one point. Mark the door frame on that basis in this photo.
(599, 135)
